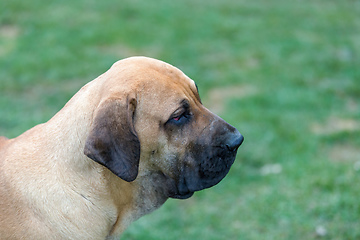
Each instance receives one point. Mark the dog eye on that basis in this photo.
(180, 119)
(182, 115)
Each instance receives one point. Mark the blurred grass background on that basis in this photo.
(285, 73)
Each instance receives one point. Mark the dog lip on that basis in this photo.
(182, 196)
(176, 189)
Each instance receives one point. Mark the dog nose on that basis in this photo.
(235, 141)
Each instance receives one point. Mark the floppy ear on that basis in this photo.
(112, 140)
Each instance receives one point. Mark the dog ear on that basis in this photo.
(113, 141)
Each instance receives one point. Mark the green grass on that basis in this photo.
(300, 58)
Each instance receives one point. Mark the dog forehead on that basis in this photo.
(152, 80)
(143, 65)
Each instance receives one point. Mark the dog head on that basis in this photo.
(151, 121)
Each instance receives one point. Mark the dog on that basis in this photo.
(122, 145)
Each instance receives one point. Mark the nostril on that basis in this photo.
(234, 144)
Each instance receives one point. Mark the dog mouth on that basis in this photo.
(205, 165)
(178, 189)
(206, 174)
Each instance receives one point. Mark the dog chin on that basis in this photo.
(182, 196)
